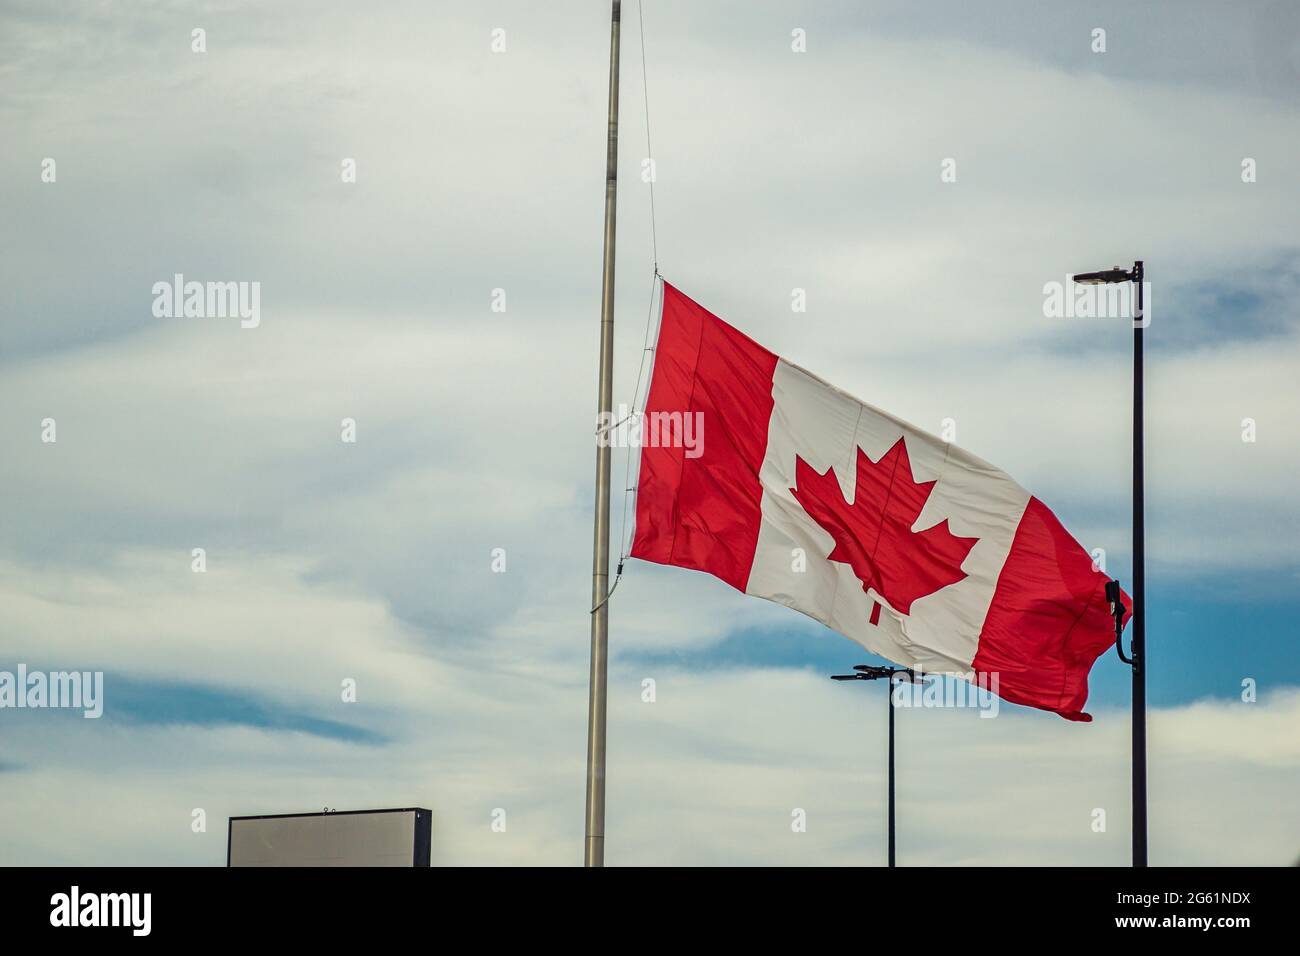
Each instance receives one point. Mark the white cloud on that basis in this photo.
(710, 773)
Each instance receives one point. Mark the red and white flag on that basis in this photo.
(791, 490)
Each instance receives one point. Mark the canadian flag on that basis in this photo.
(796, 492)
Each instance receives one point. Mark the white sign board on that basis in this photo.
(339, 838)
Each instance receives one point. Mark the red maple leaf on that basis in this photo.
(874, 535)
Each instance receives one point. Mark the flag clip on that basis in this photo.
(1115, 596)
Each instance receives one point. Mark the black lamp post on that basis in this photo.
(1137, 661)
(871, 672)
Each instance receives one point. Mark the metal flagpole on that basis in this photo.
(594, 845)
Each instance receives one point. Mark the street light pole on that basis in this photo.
(870, 672)
(1139, 588)
(889, 702)
(1138, 660)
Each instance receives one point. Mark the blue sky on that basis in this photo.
(1199, 647)
(479, 171)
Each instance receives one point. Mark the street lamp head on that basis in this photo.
(847, 677)
(876, 672)
(871, 671)
(1104, 277)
